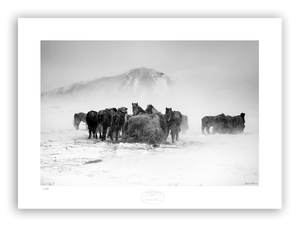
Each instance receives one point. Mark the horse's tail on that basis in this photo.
(204, 123)
(177, 117)
(74, 121)
(187, 123)
(243, 116)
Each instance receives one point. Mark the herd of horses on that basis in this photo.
(113, 122)
(224, 124)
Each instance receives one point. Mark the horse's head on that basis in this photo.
(149, 109)
(222, 115)
(135, 108)
(123, 110)
(168, 114)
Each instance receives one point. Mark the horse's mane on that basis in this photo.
(139, 109)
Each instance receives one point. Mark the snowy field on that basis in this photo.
(68, 158)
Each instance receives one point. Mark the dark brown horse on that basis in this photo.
(173, 119)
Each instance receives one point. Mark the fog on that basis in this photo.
(193, 98)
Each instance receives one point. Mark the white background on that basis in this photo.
(266, 31)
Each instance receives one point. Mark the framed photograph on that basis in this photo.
(149, 113)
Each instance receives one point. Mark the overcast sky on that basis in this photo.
(67, 62)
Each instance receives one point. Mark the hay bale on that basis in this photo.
(145, 128)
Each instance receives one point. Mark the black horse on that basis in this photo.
(173, 119)
(92, 122)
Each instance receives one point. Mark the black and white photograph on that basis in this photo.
(149, 113)
(140, 117)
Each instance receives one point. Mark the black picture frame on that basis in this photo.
(219, 216)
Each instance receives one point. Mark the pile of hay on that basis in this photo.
(146, 128)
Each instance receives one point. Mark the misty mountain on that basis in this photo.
(134, 84)
(194, 93)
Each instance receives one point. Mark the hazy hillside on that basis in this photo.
(135, 85)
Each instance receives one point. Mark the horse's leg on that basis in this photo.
(111, 133)
(117, 134)
(203, 130)
(75, 124)
(99, 129)
(177, 134)
(208, 129)
(168, 132)
(95, 132)
(90, 132)
(173, 135)
(104, 133)
(107, 131)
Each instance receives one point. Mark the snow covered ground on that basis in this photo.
(68, 158)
